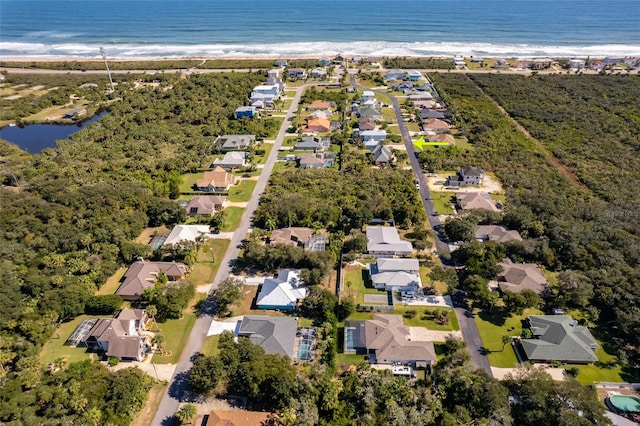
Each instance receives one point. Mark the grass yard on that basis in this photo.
(176, 332)
(55, 348)
(349, 359)
(282, 166)
(242, 191)
(389, 114)
(442, 202)
(113, 282)
(232, 216)
(356, 276)
(492, 326)
(188, 180)
(204, 271)
(210, 345)
(147, 233)
(148, 411)
(417, 321)
(261, 159)
(412, 126)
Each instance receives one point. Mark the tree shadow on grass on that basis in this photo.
(496, 317)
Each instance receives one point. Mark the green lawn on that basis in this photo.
(282, 166)
(232, 216)
(188, 180)
(492, 326)
(55, 348)
(389, 115)
(442, 201)
(208, 262)
(417, 321)
(413, 126)
(356, 276)
(349, 359)
(242, 191)
(113, 282)
(210, 345)
(261, 159)
(176, 332)
(591, 373)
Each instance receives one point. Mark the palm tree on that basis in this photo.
(505, 339)
(160, 343)
(186, 413)
(152, 311)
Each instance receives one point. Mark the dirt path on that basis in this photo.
(553, 160)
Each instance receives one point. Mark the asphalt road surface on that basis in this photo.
(177, 390)
(468, 326)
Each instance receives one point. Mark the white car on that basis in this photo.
(418, 186)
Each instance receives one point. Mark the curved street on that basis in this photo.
(468, 325)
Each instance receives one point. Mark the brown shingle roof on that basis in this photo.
(205, 204)
(388, 337)
(142, 275)
(217, 178)
(236, 418)
(519, 276)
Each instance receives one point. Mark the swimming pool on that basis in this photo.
(625, 403)
(348, 340)
(305, 351)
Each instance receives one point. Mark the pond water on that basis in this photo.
(33, 138)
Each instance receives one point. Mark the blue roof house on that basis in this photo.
(282, 292)
(246, 111)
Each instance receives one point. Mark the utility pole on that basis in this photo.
(104, 56)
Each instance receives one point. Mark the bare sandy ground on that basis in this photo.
(489, 185)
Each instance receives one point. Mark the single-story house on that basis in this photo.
(370, 112)
(190, 233)
(420, 96)
(427, 113)
(466, 176)
(366, 123)
(276, 335)
(559, 338)
(280, 63)
(477, 200)
(235, 142)
(367, 95)
(313, 143)
(516, 277)
(435, 125)
(318, 73)
(316, 125)
(496, 233)
(441, 137)
(299, 237)
(282, 292)
(215, 180)
(384, 240)
(237, 417)
(314, 160)
(325, 62)
(321, 105)
(576, 63)
(246, 111)
(143, 274)
(321, 113)
(395, 274)
(231, 160)
(382, 155)
(374, 135)
(386, 340)
(205, 205)
(424, 104)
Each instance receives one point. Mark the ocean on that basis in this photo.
(45, 29)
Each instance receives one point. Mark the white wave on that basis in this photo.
(364, 48)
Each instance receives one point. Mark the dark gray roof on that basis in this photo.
(276, 335)
(559, 338)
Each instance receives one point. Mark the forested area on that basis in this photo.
(590, 227)
(68, 216)
(337, 200)
(455, 394)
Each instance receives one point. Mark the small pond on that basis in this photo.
(33, 138)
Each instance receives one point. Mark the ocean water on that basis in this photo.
(230, 28)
